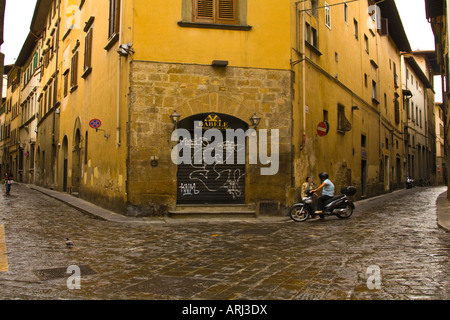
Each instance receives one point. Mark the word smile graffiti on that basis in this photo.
(209, 146)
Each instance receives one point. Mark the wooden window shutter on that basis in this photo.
(226, 11)
(215, 11)
(88, 50)
(204, 11)
(114, 18)
(74, 68)
(384, 31)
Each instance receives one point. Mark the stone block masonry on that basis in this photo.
(157, 89)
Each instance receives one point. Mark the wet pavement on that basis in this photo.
(391, 248)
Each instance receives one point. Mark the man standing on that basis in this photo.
(8, 182)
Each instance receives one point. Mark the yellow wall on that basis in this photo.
(335, 75)
(158, 37)
(103, 170)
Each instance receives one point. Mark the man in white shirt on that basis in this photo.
(327, 193)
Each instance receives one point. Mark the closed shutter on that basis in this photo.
(226, 11)
(215, 11)
(204, 11)
(88, 50)
(74, 73)
(219, 183)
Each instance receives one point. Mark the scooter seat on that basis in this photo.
(334, 198)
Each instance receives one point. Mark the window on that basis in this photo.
(374, 90)
(397, 110)
(363, 141)
(356, 30)
(74, 73)
(88, 53)
(346, 13)
(50, 91)
(215, 11)
(311, 35)
(366, 43)
(314, 7)
(327, 15)
(66, 82)
(417, 115)
(114, 18)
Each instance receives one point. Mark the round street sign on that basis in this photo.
(95, 123)
(322, 128)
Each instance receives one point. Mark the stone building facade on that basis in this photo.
(159, 89)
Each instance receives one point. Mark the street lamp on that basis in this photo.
(175, 117)
(255, 120)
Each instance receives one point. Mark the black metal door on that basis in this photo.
(222, 182)
(219, 183)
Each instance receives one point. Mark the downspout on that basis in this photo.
(119, 73)
(55, 94)
(302, 39)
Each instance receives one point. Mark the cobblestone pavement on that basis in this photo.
(280, 259)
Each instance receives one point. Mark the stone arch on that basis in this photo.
(218, 103)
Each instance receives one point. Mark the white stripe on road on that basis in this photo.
(4, 265)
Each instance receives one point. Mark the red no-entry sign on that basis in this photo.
(322, 128)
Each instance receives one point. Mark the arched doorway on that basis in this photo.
(76, 162)
(223, 180)
(65, 156)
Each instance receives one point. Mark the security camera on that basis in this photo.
(125, 50)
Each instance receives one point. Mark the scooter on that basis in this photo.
(340, 206)
(409, 183)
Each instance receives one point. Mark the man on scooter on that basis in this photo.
(327, 193)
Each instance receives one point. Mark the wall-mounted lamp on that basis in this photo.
(175, 117)
(355, 108)
(125, 49)
(255, 120)
(219, 63)
(154, 161)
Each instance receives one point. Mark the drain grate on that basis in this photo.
(56, 273)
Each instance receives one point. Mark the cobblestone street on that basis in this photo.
(271, 259)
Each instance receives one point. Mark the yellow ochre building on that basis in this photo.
(118, 77)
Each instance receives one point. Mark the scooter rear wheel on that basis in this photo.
(345, 213)
(300, 213)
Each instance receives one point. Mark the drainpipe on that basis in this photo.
(55, 94)
(302, 39)
(119, 73)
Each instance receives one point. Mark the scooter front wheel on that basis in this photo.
(300, 213)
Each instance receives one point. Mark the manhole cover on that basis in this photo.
(173, 286)
(56, 273)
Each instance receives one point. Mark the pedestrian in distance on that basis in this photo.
(327, 192)
(8, 182)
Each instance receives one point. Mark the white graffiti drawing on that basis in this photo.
(208, 175)
(189, 189)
